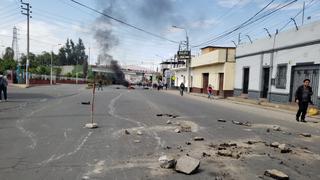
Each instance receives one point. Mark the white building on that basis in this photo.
(289, 57)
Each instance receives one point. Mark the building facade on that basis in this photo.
(273, 68)
(215, 66)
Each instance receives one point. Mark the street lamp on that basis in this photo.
(188, 61)
(51, 62)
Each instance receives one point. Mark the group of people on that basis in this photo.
(209, 90)
(3, 87)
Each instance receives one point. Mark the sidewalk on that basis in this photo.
(257, 103)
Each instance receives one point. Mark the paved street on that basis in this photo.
(42, 136)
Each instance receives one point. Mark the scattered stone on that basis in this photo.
(241, 123)
(268, 130)
(86, 103)
(222, 148)
(275, 144)
(225, 153)
(126, 132)
(205, 154)
(159, 114)
(276, 174)
(276, 128)
(168, 147)
(169, 122)
(253, 142)
(177, 123)
(185, 128)
(167, 162)
(177, 130)
(228, 144)
(91, 125)
(188, 143)
(306, 134)
(222, 120)
(284, 148)
(117, 87)
(85, 177)
(137, 141)
(198, 138)
(187, 165)
(174, 116)
(139, 132)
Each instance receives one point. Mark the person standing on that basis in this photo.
(182, 88)
(303, 98)
(3, 87)
(209, 91)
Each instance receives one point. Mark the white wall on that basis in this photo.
(311, 53)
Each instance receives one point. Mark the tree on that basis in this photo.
(85, 68)
(9, 54)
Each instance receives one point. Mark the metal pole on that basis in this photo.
(93, 93)
(28, 46)
(51, 68)
(271, 66)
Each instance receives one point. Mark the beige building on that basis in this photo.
(214, 66)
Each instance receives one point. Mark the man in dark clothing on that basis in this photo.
(303, 98)
(3, 87)
(182, 88)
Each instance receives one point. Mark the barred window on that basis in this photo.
(281, 78)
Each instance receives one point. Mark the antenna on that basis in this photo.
(267, 32)
(249, 38)
(294, 21)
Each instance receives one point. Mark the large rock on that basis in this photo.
(275, 144)
(276, 174)
(276, 128)
(91, 125)
(187, 165)
(306, 134)
(139, 133)
(284, 148)
(167, 162)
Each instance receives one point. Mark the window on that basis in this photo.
(281, 78)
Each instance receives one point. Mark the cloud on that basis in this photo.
(203, 23)
(232, 3)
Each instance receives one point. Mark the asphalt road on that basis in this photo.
(42, 136)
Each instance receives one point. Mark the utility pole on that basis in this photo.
(26, 11)
(51, 72)
(303, 8)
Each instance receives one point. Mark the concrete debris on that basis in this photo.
(275, 144)
(187, 165)
(169, 122)
(188, 143)
(139, 132)
(276, 174)
(167, 162)
(168, 147)
(225, 153)
(91, 125)
(86, 103)
(85, 177)
(198, 138)
(253, 142)
(185, 128)
(221, 120)
(177, 130)
(137, 141)
(159, 114)
(284, 148)
(241, 123)
(126, 132)
(168, 115)
(276, 128)
(306, 134)
(228, 144)
(268, 130)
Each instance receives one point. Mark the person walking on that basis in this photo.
(303, 98)
(182, 88)
(100, 85)
(3, 87)
(209, 91)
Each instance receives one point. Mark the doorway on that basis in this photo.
(205, 80)
(221, 77)
(265, 82)
(245, 83)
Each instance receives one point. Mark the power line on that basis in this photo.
(247, 23)
(122, 22)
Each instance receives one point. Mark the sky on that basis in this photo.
(145, 35)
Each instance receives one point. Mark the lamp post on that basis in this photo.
(51, 62)
(188, 61)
